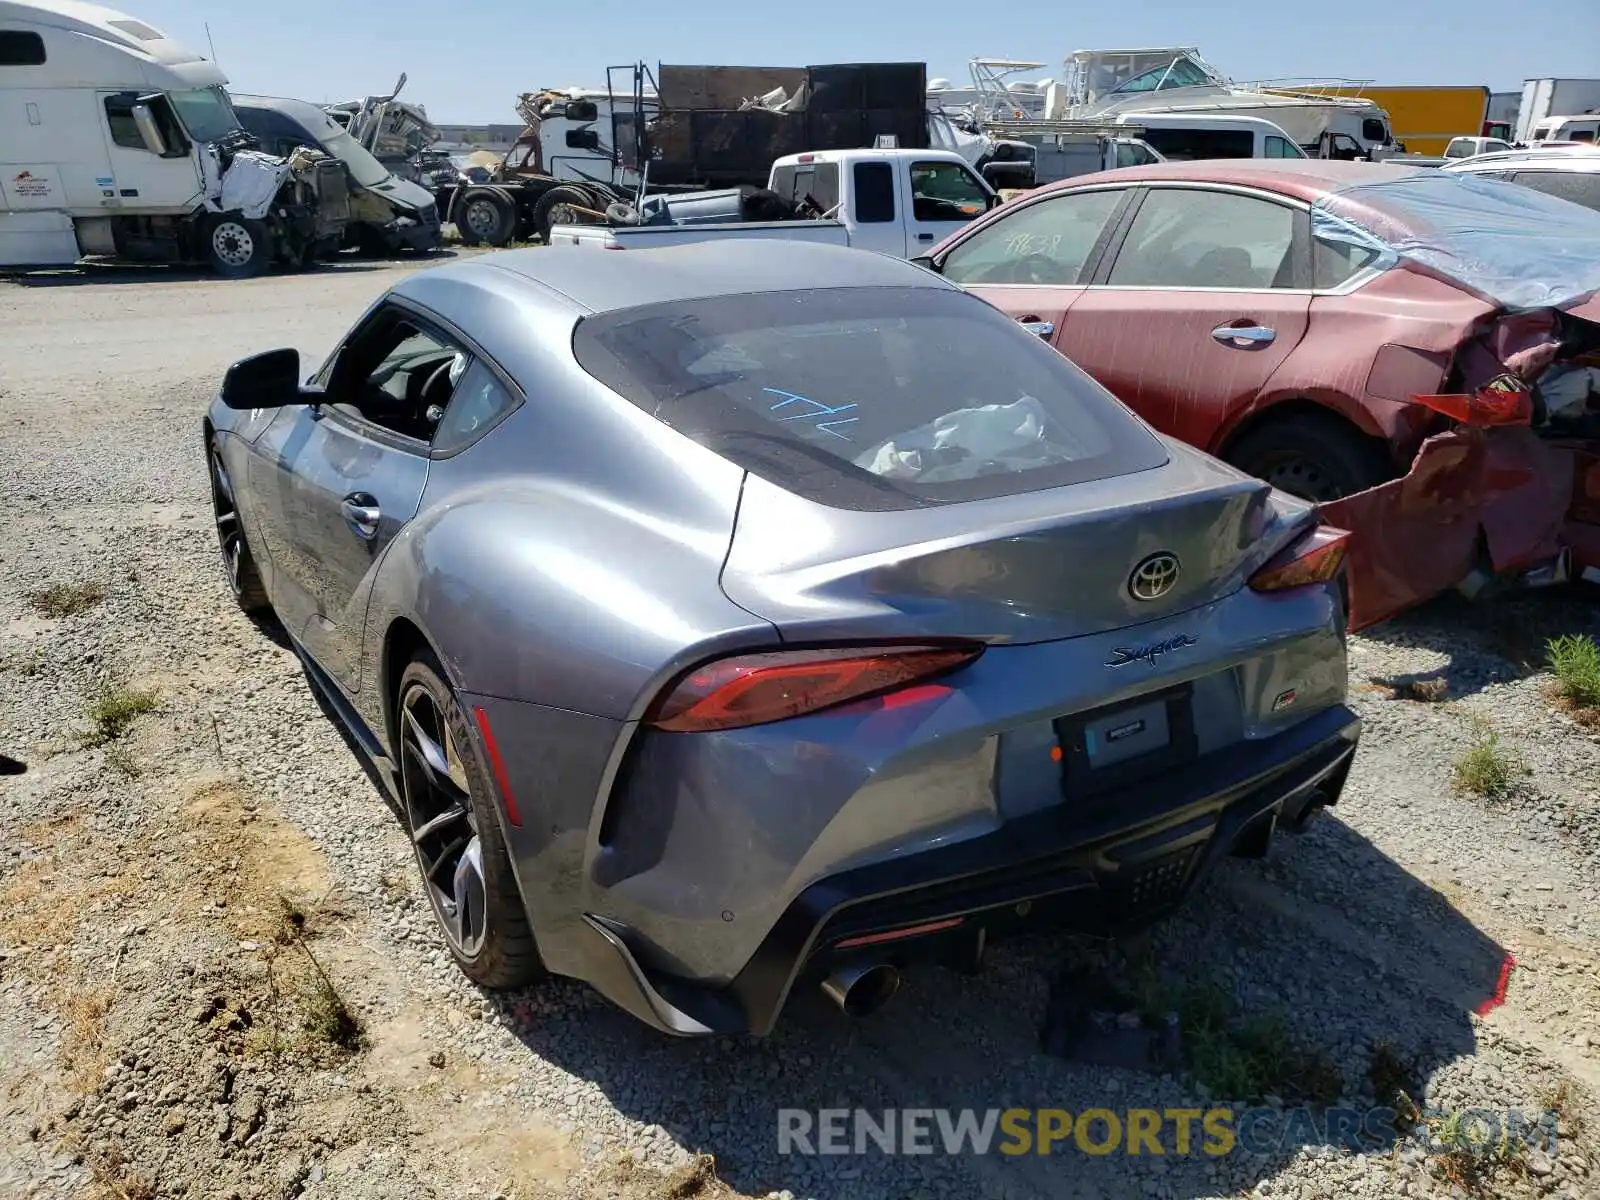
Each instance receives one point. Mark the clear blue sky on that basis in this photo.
(468, 59)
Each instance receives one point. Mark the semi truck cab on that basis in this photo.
(116, 140)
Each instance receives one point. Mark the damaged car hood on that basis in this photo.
(404, 193)
(1516, 247)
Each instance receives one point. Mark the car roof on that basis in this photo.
(1556, 158)
(1185, 120)
(1304, 178)
(596, 281)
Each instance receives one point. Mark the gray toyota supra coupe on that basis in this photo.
(731, 620)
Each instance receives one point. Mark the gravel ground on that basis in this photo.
(170, 1026)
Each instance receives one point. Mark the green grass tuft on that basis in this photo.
(1489, 768)
(111, 712)
(1575, 659)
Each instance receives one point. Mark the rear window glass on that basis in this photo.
(868, 398)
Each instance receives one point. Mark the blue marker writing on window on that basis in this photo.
(814, 413)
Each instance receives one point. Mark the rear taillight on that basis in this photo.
(1504, 400)
(1315, 558)
(754, 689)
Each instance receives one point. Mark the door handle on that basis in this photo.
(1034, 325)
(361, 514)
(924, 237)
(1244, 335)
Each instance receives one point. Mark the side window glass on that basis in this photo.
(1581, 187)
(946, 191)
(119, 116)
(20, 48)
(125, 131)
(397, 375)
(1334, 262)
(1188, 238)
(1278, 147)
(874, 182)
(1047, 242)
(479, 401)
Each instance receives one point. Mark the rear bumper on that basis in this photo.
(1120, 870)
(1475, 502)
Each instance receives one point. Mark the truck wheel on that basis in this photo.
(237, 247)
(544, 210)
(1313, 456)
(485, 215)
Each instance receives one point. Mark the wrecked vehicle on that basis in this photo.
(387, 214)
(1413, 349)
(705, 617)
(558, 159)
(121, 142)
(896, 202)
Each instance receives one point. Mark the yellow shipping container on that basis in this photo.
(1424, 118)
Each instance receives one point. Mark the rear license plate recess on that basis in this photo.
(1110, 747)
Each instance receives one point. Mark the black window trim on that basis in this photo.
(1299, 243)
(1108, 232)
(445, 330)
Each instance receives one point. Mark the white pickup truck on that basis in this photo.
(900, 202)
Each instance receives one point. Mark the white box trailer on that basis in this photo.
(1543, 99)
(117, 140)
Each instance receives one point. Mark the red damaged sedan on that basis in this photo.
(1417, 350)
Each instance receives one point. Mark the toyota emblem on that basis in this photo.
(1154, 577)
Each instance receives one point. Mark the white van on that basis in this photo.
(117, 140)
(1584, 128)
(1183, 137)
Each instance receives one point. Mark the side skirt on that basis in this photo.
(330, 691)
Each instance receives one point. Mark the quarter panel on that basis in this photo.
(557, 761)
(570, 557)
(1335, 363)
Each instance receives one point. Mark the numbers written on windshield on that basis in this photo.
(1021, 244)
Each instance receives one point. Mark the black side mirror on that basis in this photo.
(269, 380)
(925, 261)
(582, 110)
(583, 139)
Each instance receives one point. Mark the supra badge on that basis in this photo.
(1121, 656)
(1155, 576)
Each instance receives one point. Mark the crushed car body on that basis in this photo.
(1512, 489)
(1414, 350)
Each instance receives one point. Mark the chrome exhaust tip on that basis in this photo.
(861, 989)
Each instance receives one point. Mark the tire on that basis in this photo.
(1311, 455)
(371, 243)
(542, 218)
(238, 565)
(235, 246)
(485, 215)
(445, 814)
